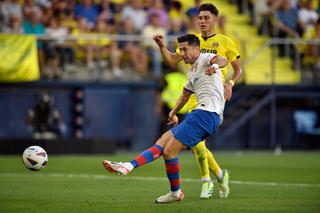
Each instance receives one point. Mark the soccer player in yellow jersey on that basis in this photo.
(210, 42)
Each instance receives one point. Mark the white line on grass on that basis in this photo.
(238, 182)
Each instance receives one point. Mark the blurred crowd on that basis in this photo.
(59, 18)
(288, 19)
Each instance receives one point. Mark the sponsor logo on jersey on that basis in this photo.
(208, 51)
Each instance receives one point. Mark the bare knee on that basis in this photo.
(168, 154)
(162, 141)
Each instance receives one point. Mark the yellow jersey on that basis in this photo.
(221, 45)
(218, 44)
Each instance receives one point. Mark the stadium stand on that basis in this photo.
(109, 58)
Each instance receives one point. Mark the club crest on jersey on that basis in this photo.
(215, 44)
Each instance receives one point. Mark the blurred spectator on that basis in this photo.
(307, 15)
(68, 20)
(157, 6)
(44, 120)
(177, 15)
(176, 29)
(31, 9)
(287, 23)
(136, 14)
(15, 25)
(264, 11)
(176, 11)
(58, 7)
(69, 4)
(101, 46)
(46, 16)
(84, 45)
(44, 3)
(287, 18)
(67, 53)
(311, 52)
(136, 54)
(54, 48)
(295, 3)
(193, 11)
(34, 26)
(8, 9)
(87, 10)
(185, 5)
(152, 48)
(107, 11)
(194, 27)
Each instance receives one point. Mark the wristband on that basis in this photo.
(216, 66)
(231, 82)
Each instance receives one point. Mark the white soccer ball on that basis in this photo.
(35, 158)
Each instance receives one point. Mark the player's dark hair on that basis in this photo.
(190, 38)
(209, 7)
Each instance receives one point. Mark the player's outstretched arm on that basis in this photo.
(169, 58)
(237, 71)
(183, 99)
(216, 62)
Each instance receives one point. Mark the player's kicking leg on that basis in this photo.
(170, 151)
(147, 156)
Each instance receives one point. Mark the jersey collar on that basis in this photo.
(206, 38)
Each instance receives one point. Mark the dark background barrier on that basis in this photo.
(129, 115)
(124, 112)
(61, 146)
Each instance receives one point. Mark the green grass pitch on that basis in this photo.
(260, 182)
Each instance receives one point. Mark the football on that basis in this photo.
(35, 158)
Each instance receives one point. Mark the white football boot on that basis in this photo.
(207, 190)
(120, 168)
(224, 185)
(170, 197)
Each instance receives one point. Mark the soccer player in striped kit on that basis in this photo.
(210, 42)
(205, 81)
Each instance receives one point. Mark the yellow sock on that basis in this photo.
(200, 152)
(213, 165)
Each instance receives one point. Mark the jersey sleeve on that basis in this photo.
(188, 86)
(232, 53)
(208, 58)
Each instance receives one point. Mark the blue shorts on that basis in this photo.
(195, 127)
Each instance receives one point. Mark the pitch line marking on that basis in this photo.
(108, 177)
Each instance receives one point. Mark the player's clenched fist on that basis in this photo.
(212, 69)
(159, 39)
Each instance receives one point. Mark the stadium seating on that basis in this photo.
(257, 60)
